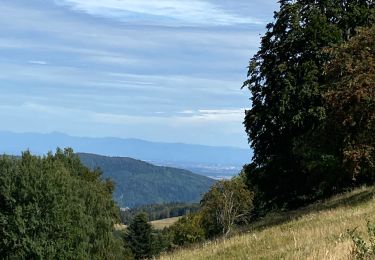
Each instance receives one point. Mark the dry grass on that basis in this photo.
(120, 227)
(315, 232)
(157, 224)
(163, 223)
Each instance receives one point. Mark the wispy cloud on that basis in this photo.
(202, 116)
(182, 12)
(38, 62)
(153, 69)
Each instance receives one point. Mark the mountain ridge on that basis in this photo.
(14, 143)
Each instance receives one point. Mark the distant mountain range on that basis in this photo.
(207, 160)
(139, 183)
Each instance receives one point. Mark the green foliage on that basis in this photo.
(362, 249)
(188, 230)
(227, 203)
(162, 241)
(140, 183)
(139, 237)
(350, 102)
(143, 241)
(55, 208)
(160, 211)
(128, 254)
(294, 161)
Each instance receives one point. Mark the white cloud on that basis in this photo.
(202, 116)
(187, 117)
(38, 62)
(186, 112)
(184, 12)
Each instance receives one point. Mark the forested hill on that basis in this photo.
(139, 183)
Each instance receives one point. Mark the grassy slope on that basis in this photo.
(315, 232)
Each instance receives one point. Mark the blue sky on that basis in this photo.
(161, 70)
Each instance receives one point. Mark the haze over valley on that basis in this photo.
(211, 161)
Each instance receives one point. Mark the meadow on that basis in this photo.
(319, 231)
(157, 224)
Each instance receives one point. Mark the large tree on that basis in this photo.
(53, 207)
(286, 79)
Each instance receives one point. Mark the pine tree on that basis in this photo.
(139, 237)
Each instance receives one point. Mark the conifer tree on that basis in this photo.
(139, 237)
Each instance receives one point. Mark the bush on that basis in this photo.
(363, 249)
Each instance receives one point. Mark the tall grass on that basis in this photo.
(319, 231)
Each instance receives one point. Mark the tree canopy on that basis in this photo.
(53, 207)
(294, 160)
(350, 102)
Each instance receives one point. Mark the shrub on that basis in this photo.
(363, 249)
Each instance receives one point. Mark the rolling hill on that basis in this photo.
(139, 183)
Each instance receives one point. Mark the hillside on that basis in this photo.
(139, 183)
(315, 232)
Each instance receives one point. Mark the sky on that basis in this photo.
(159, 70)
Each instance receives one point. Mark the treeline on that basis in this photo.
(159, 211)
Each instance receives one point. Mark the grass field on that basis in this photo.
(319, 231)
(160, 224)
(157, 224)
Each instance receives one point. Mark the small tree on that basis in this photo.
(139, 237)
(228, 202)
